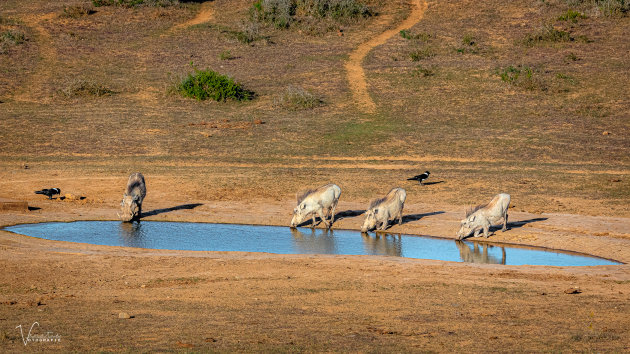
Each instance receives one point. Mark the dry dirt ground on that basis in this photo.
(558, 142)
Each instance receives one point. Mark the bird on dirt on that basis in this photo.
(420, 178)
(49, 192)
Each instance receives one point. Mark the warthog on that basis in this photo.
(312, 202)
(381, 211)
(483, 216)
(131, 204)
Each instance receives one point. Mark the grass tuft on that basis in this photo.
(419, 54)
(547, 34)
(571, 15)
(77, 11)
(85, 87)
(11, 38)
(420, 71)
(296, 98)
(522, 76)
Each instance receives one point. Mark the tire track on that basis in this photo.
(354, 69)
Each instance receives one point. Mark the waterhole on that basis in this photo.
(284, 240)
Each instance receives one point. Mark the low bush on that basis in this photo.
(207, 84)
(284, 13)
(296, 98)
(135, 3)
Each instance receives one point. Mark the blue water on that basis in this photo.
(283, 240)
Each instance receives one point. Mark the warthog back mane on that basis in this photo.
(376, 202)
(472, 210)
(303, 194)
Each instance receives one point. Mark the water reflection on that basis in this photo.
(474, 253)
(131, 234)
(317, 241)
(382, 245)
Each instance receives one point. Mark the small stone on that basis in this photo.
(143, 286)
(573, 291)
(606, 132)
(124, 315)
(259, 121)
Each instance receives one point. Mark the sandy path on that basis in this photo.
(356, 74)
(205, 14)
(47, 54)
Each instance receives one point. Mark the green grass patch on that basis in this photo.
(407, 34)
(207, 84)
(546, 34)
(226, 55)
(522, 76)
(11, 38)
(571, 15)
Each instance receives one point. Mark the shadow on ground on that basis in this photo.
(167, 210)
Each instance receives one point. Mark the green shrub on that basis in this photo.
(420, 54)
(85, 87)
(207, 84)
(296, 98)
(547, 34)
(571, 15)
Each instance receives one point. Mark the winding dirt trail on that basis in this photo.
(356, 74)
(205, 14)
(48, 55)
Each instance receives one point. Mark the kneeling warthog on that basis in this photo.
(317, 201)
(381, 211)
(483, 216)
(131, 204)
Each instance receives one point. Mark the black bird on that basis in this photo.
(420, 178)
(49, 192)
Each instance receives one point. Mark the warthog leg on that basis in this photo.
(320, 212)
(505, 219)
